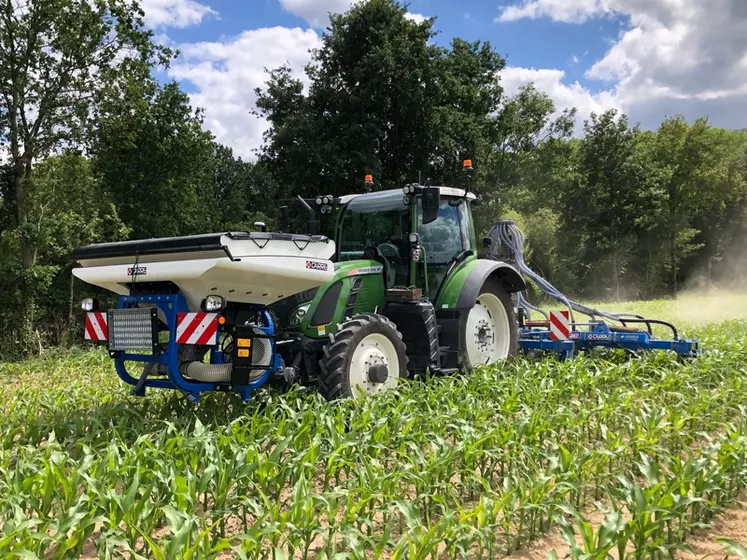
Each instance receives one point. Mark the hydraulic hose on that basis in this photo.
(512, 239)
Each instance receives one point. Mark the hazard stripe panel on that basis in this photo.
(560, 325)
(197, 328)
(97, 329)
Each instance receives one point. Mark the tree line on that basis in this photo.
(95, 149)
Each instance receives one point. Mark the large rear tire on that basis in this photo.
(489, 332)
(365, 357)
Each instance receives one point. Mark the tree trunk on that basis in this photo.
(615, 273)
(673, 259)
(21, 178)
(70, 316)
(648, 267)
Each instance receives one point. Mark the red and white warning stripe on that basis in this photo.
(96, 327)
(197, 328)
(560, 325)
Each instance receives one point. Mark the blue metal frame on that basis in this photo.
(600, 335)
(171, 305)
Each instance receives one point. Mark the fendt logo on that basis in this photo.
(137, 271)
(313, 265)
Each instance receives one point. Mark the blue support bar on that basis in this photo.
(602, 336)
(171, 305)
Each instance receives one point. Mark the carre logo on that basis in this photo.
(313, 265)
(599, 337)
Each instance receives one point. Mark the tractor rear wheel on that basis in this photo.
(489, 331)
(365, 357)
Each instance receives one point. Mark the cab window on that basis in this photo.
(378, 220)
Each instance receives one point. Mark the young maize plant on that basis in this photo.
(474, 466)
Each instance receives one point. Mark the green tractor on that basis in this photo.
(411, 294)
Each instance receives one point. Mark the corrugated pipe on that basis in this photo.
(209, 373)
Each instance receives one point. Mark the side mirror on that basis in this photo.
(431, 199)
(261, 225)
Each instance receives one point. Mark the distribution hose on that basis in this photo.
(512, 239)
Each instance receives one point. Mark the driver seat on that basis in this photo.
(374, 253)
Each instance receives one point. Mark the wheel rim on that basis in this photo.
(374, 350)
(488, 334)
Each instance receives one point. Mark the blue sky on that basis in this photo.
(648, 58)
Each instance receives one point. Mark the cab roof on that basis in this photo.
(445, 191)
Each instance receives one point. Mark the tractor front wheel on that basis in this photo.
(365, 357)
(489, 331)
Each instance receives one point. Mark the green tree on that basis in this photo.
(242, 190)
(55, 55)
(68, 208)
(608, 202)
(700, 171)
(529, 149)
(382, 99)
(154, 157)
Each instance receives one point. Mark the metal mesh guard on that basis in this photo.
(131, 329)
(261, 352)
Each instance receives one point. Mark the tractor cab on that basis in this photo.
(417, 233)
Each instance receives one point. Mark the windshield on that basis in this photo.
(448, 236)
(444, 239)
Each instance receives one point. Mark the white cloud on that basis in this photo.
(175, 13)
(417, 18)
(674, 56)
(563, 95)
(316, 12)
(226, 74)
(575, 11)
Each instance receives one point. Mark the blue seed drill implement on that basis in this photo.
(561, 332)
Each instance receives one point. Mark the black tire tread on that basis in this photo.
(332, 379)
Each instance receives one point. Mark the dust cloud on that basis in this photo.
(708, 306)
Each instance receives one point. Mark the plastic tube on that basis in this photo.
(209, 373)
(513, 239)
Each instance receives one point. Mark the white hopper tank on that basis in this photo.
(245, 267)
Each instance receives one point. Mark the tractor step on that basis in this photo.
(417, 323)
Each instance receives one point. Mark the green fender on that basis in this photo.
(463, 285)
(358, 287)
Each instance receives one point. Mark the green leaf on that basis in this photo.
(733, 547)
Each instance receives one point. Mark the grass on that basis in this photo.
(474, 466)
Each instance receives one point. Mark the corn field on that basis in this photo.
(473, 466)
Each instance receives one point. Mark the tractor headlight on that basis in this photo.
(298, 314)
(89, 304)
(213, 303)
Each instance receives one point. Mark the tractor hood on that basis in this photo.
(245, 267)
